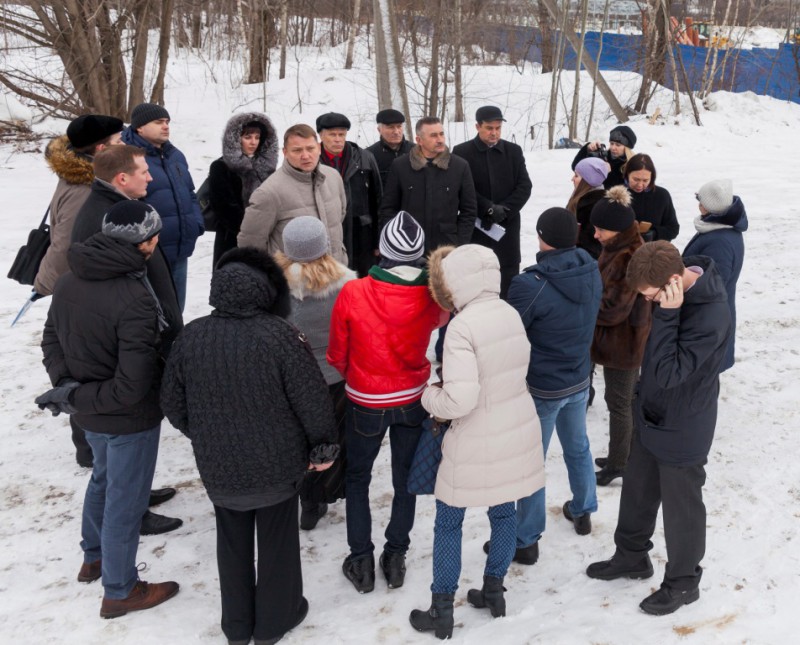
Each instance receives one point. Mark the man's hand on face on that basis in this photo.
(672, 294)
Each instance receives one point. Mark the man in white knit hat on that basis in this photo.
(380, 327)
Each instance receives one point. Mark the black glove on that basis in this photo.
(57, 399)
(324, 453)
(486, 220)
(499, 213)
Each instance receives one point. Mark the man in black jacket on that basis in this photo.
(434, 187)
(675, 413)
(362, 186)
(392, 142)
(502, 188)
(100, 345)
(121, 174)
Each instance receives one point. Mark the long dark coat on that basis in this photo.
(500, 177)
(385, 155)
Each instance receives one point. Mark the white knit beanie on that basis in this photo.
(716, 196)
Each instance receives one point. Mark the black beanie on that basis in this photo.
(131, 221)
(390, 117)
(613, 212)
(624, 135)
(145, 112)
(89, 129)
(558, 228)
(332, 120)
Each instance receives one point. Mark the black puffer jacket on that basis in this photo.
(241, 385)
(89, 221)
(102, 331)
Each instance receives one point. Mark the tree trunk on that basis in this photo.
(389, 73)
(167, 9)
(141, 24)
(284, 36)
(573, 117)
(457, 48)
(546, 45)
(433, 89)
(594, 77)
(351, 41)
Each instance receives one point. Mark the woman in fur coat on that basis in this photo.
(492, 452)
(249, 156)
(623, 325)
(315, 280)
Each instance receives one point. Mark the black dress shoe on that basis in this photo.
(666, 600)
(615, 568)
(601, 462)
(161, 495)
(153, 524)
(310, 514)
(607, 475)
(522, 555)
(582, 523)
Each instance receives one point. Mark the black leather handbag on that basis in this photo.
(29, 256)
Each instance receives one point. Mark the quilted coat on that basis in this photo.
(492, 452)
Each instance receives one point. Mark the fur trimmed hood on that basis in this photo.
(72, 167)
(459, 276)
(418, 160)
(248, 282)
(265, 160)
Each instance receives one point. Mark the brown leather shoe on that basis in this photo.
(90, 571)
(143, 596)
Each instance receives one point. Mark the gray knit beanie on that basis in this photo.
(305, 239)
(402, 239)
(716, 196)
(592, 170)
(143, 113)
(131, 221)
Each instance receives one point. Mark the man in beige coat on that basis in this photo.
(301, 186)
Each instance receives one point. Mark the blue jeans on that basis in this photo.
(116, 498)
(364, 431)
(180, 270)
(447, 544)
(568, 416)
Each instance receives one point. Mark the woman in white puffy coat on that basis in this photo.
(492, 452)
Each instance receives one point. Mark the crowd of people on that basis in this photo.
(332, 271)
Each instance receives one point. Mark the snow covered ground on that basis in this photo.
(752, 567)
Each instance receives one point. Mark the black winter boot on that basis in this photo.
(437, 619)
(490, 596)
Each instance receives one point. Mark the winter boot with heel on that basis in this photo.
(490, 596)
(437, 619)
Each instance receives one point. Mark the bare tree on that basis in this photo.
(87, 36)
(351, 40)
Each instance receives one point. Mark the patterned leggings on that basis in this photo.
(447, 544)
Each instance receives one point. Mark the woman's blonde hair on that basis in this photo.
(314, 275)
(580, 190)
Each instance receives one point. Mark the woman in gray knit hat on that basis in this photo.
(315, 280)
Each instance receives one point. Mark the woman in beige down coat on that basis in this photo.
(492, 452)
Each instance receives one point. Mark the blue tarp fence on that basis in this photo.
(770, 72)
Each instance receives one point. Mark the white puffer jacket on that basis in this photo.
(492, 452)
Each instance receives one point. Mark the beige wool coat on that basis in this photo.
(492, 452)
(288, 193)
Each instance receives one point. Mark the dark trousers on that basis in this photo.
(365, 430)
(619, 390)
(507, 273)
(83, 451)
(261, 600)
(647, 485)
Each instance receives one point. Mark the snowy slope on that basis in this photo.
(752, 565)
